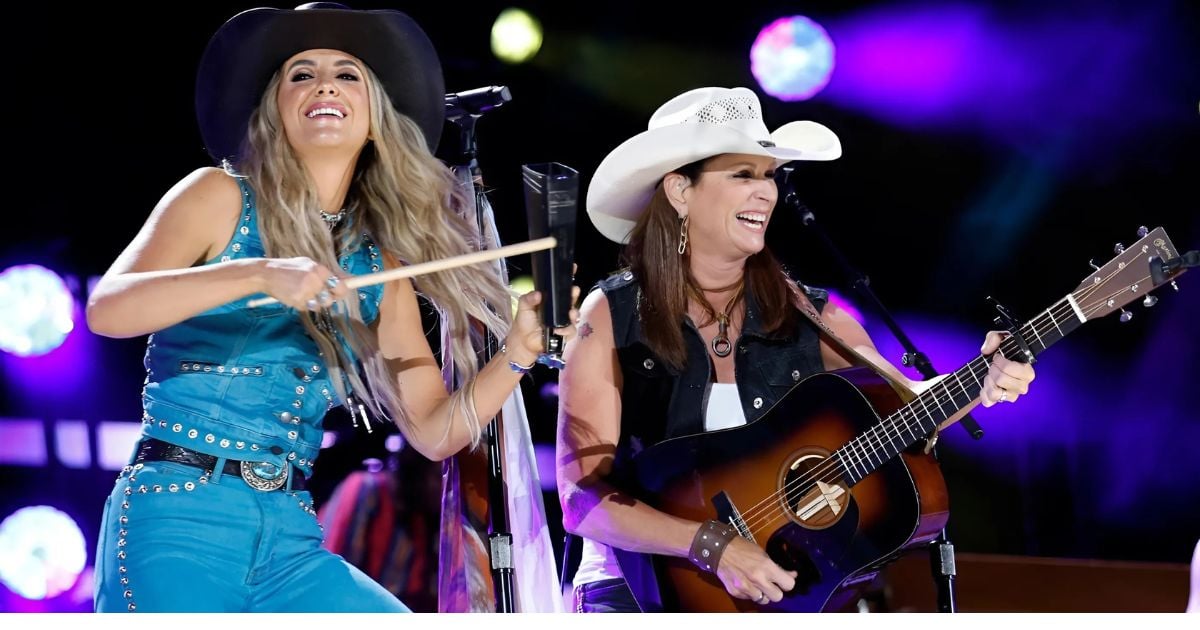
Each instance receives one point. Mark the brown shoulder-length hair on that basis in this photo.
(665, 276)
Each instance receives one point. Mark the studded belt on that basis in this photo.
(258, 475)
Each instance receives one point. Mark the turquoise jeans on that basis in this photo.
(173, 540)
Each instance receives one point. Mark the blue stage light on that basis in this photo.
(42, 552)
(36, 310)
(792, 58)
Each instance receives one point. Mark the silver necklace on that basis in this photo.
(331, 220)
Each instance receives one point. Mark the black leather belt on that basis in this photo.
(259, 475)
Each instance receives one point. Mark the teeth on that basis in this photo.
(757, 217)
(325, 110)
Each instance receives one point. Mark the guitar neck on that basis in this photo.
(916, 420)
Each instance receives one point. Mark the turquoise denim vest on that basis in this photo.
(247, 383)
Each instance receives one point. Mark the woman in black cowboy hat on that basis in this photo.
(704, 332)
(323, 120)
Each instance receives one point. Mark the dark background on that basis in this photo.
(1009, 196)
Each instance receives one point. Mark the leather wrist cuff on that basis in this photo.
(709, 544)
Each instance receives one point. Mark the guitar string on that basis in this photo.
(867, 449)
(853, 457)
(751, 517)
(755, 523)
(763, 520)
(831, 464)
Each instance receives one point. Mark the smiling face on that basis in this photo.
(323, 102)
(729, 204)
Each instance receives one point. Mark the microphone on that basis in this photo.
(551, 199)
(788, 198)
(476, 102)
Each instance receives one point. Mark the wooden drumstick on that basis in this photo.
(435, 266)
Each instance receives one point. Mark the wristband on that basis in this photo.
(709, 544)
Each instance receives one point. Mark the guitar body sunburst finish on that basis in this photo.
(832, 534)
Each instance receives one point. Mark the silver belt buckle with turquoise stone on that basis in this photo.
(264, 476)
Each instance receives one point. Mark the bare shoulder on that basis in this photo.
(595, 319)
(208, 189)
(845, 326)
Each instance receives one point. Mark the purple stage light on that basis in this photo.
(792, 58)
(114, 443)
(36, 310)
(42, 552)
(841, 302)
(71, 443)
(543, 455)
(22, 442)
(1025, 79)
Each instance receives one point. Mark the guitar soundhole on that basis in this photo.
(812, 492)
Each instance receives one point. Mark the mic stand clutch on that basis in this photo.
(941, 553)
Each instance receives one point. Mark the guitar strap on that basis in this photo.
(843, 349)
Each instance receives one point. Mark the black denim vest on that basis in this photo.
(660, 403)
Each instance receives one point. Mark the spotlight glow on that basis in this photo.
(519, 286)
(41, 552)
(792, 58)
(36, 310)
(516, 36)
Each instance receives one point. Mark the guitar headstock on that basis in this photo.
(1128, 276)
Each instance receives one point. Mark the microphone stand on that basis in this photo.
(464, 110)
(941, 553)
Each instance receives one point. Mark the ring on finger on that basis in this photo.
(312, 305)
(1003, 394)
(324, 297)
(332, 282)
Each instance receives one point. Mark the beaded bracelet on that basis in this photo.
(709, 544)
(513, 365)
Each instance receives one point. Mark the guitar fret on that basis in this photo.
(896, 442)
(1055, 322)
(961, 387)
(1039, 337)
(856, 443)
(871, 454)
(848, 477)
(890, 427)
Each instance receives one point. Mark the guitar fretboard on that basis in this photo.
(916, 420)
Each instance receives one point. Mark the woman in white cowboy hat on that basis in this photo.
(323, 120)
(702, 332)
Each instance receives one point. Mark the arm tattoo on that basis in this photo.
(585, 329)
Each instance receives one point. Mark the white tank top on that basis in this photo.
(722, 410)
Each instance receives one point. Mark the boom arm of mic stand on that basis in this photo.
(912, 357)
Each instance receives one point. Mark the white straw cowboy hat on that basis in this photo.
(690, 127)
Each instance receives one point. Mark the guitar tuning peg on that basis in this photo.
(1092, 262)
(1175, 286)
(1118, 248)
(1125, 316)
(1149, 301)
(1142, 231)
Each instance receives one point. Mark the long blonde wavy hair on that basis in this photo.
(411, 206)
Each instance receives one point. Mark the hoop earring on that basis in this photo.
(683, 235)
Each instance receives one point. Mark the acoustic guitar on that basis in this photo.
(832, 481)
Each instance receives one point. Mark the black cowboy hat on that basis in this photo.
(249, 48)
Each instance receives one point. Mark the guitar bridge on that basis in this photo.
(727, 512)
